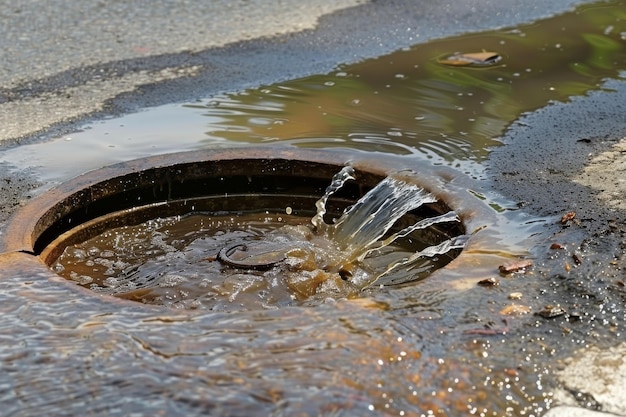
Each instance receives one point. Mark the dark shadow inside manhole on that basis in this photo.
(243, 229)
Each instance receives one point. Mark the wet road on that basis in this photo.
(98, 59)
(94, 60)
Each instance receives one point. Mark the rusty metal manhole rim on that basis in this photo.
(29, 224)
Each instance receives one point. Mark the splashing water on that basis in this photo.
(203, 260)
(339, 179)
(358, 231)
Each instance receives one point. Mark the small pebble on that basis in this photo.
(550, 312)
(488, 282)
(515, 266)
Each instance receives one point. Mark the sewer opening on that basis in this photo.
(286, 233)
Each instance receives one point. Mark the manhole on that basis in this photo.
(241, 229)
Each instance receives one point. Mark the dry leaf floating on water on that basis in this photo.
(483, 58)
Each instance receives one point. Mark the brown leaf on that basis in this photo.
(481, 56)
(568, 216)
(515, 266)
(472, 58)
(557, 246)
(515, 309)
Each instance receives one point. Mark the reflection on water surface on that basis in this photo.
(404, 103)
(443, 347)
(410, 103)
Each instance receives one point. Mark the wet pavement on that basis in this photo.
(95, 60)
(581, 171)
(98, 61)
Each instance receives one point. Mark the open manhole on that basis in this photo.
(241, 229)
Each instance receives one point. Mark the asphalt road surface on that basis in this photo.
(65, 62)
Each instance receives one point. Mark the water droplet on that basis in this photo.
(172, 280)
(79, 254)
(110, 282)
(83, 280)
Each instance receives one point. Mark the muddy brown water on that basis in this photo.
(198, 261)
(443, 346)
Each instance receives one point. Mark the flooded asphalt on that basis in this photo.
(98, 61)
(94, 61)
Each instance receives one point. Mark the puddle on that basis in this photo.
(404, 103)
(444, 346)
